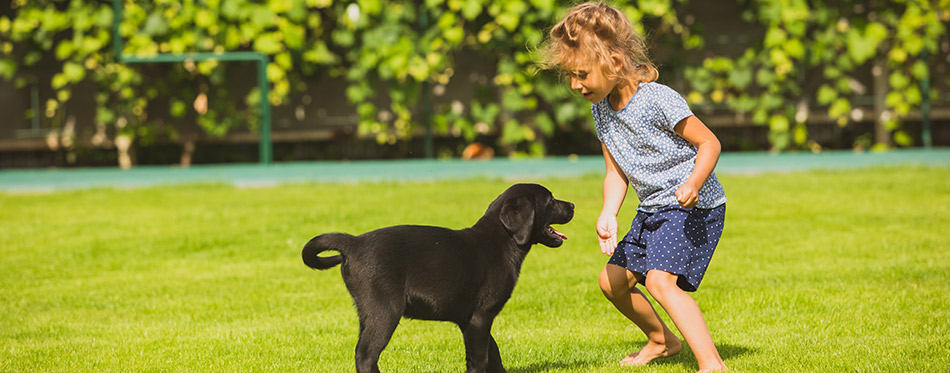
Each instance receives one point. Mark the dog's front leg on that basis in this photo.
(481, 351)
(494, 357)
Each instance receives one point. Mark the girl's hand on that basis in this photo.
(707, 155)
(607, 233)
(687, 196)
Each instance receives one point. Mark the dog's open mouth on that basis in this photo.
(554, 233)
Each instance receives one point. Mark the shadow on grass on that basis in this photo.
(548, 366)
(684, 358)
(732, 351)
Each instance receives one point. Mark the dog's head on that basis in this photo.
(527, 212)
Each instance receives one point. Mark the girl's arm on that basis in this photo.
(615, 189)
(707, 155)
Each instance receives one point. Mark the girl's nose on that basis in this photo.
(575, 83)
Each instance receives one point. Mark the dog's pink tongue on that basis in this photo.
(559, 234)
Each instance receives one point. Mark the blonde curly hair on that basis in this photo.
(588, 35)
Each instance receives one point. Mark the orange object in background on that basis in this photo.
(477, 150)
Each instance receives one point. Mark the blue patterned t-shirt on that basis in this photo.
(655, 159)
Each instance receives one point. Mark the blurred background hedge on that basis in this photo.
(463, 69)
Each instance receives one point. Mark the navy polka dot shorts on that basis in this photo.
(674, 239)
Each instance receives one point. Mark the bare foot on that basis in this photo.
(653, 350)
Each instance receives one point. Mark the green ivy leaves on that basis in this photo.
(837, 41)
(390, 51)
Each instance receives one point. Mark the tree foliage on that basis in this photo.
(392, 53)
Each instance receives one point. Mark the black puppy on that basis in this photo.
(432, 273)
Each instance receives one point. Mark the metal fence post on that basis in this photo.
(265, 148)
(925, 134)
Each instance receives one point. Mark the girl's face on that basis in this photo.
(592, 83)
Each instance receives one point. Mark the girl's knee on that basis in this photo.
(604, 282)
(612, 284)
(660, 283)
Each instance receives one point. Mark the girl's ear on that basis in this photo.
(617, 62)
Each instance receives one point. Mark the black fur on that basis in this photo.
(432, 273)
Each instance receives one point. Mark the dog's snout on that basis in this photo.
(567, 206)
(567, 210)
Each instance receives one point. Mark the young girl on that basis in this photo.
(652, 141)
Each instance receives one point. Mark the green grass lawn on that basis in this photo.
(816, 272)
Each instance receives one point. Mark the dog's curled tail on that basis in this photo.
(330, 241)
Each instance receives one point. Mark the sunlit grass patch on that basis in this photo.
(817, 271)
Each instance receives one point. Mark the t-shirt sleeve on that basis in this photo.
(672, 105)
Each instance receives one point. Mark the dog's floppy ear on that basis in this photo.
(517, 215)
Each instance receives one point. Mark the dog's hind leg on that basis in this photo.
(378, 321)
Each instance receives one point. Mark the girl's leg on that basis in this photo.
(619, 286)
(688, 319)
